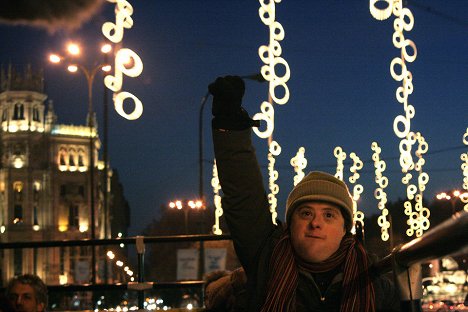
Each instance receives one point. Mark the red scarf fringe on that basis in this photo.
(358, 291)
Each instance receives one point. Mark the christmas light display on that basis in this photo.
(275, 150)
(418, 220)
(299, 162)
(340, 158)
(464, 167)
(217, 200)
(127, 62)
(357, 188)
(379, 192)
(274, 64)
(404, 21)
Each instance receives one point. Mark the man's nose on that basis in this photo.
(315, 221)
(19, 300)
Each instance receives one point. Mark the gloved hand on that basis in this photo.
(227, 99)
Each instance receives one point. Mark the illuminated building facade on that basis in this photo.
(45, 186)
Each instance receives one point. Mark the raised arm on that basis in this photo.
(244, 201)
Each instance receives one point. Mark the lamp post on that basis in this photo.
(456, 195)
(89, 73)
(186, 207)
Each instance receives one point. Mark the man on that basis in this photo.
(311, 262)
(27, 293)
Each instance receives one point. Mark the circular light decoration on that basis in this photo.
(404, 21)
(379, 193)
(299, 162)
(275, 150)
(381, 13)
(126, 61)
(217, 200)
(357, 188)
(340, 158)
(464, 167)
(276, 71)
(274, 64)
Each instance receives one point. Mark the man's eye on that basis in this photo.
(329, 215)
(305, 213)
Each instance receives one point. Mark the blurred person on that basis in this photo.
(27, 293)
(225, 291)
(312, 261)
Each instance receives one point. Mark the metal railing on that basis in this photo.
(450, 237)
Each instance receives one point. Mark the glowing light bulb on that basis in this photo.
(72, 68)
(54, 58)
(106, 48)
(73, 49)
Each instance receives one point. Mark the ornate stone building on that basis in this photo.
(50, 186)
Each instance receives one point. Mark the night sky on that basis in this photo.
(342, 93)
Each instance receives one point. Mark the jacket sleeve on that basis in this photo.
(244, 202)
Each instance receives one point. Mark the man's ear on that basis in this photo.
(40, 307)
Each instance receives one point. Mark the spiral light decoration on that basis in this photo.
(379, 192)
(404, 21)
(464, 167)
(357, 188)
(114, 32)
(217, 200)
(273, 63)
(299, 163)
(340, 158)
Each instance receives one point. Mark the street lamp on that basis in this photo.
(186, 207)
(89, 72)
(456, 195)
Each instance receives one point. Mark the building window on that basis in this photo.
(62, 260)
(19, 112)
(71, 160)
(73, 217)
(63, 190)
(18, 214)
(5, 115)
(36, 188)
(35, 114)
(18, 189)
(80, 159)
(18, 261)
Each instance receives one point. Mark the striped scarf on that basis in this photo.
(358, 291)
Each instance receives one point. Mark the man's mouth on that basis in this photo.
(314, 236)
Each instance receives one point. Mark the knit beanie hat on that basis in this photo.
(321, 186)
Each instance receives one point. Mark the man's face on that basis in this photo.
(316, 230)
(23, 297)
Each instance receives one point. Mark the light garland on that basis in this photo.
(418, 219)
(404, 21)
(271, 57)
(299, 162)
(217, 200)
(275, 150)
(357, 188)
(340, 158)
(423, 179)
(123, 57)
(379, 192)
(464, 167)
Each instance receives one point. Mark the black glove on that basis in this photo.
(227, 99)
